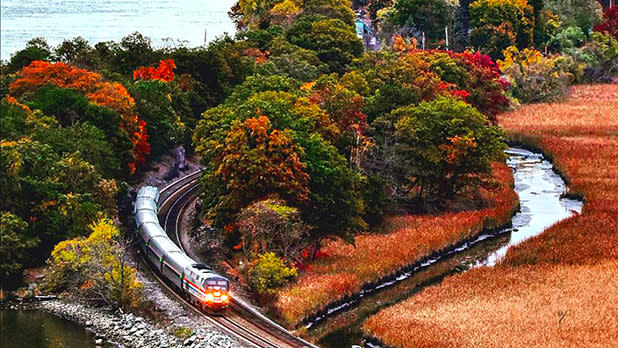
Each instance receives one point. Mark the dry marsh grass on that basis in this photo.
(345, 268)
(557, 289)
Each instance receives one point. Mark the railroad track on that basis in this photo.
(241, 321)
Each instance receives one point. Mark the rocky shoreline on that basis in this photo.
(128, 330)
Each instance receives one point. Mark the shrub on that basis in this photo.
(95, 267)
(269, 272)
(533, 77)
(610, 22)
(567, 39)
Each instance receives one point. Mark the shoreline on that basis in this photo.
(121, 329)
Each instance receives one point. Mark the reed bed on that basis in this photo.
(557, 289)
(343, 268)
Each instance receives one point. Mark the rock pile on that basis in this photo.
(128, 330)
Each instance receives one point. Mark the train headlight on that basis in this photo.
(225, 298)
(210, 298)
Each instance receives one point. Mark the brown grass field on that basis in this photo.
(345, 268)
(559, 289)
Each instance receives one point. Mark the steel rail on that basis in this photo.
(184, 196)
(178, 200)
(174, 224)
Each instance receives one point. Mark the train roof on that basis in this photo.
(148, 192)
(178, 261)
(145, 216)
(145, 204)
(162, 245)
(151, 229)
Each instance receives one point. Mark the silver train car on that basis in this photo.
(195, 281)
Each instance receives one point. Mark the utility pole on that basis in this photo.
(446, 35)
(423, 39)
(205, 36)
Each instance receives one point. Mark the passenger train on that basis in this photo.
(196, 282)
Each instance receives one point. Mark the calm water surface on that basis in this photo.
(36, 329)
(104, 20)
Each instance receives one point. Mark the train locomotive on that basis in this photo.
(196, 282)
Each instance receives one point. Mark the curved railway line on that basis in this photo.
(241, 321)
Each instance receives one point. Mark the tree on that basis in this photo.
(581, 13)
(610, 22)
(77, 52)
(96, 266)
(499, 24)
(443, 145)
(428, 17)
(272, 225)
(36, 49)
(15, 245)
(396, 79)
(153, 103)
(334, 41)
(163, 72)
(112, 95)
(254, 161)
(77, 175)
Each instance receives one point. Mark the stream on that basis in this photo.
(540, 192)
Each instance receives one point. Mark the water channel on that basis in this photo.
(540, 192)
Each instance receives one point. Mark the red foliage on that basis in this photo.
(610, 22)
(164, 72)
(109, 94)
(487, 89)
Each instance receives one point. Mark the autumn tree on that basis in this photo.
(96, 267)
(254, 161)
(442, 145)
(498, 24)
(609, 25)
(272, 225)
(112, 95)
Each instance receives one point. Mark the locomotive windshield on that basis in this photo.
(217, 284)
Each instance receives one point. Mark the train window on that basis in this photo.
(221, 282)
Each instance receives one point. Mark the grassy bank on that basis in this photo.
(554, 290)
(343, 269)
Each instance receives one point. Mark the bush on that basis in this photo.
(95, 267)
(567, 39)
(610, 22)
(269, 272)
(533, 77)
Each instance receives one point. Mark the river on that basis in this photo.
(190, 21)
(540, 192)
(37, 329)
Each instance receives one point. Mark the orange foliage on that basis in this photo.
(347, 268)
(109, 94)
(554, 290)
(163, 72)
(257, 54)
(14, 101)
